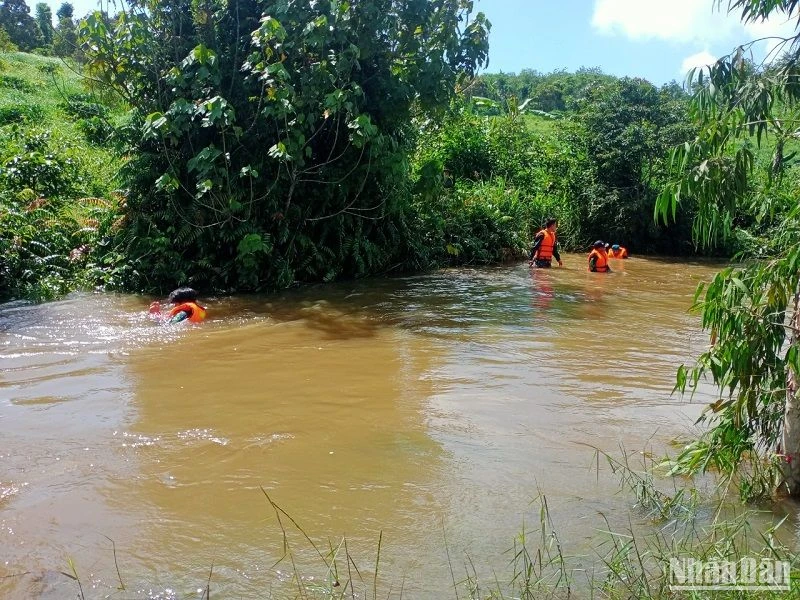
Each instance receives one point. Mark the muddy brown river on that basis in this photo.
(426, 412)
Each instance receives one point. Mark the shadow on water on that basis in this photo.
(434, 304)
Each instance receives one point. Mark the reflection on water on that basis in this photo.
(414, 408)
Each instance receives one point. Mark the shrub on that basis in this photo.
(16, 113)
(96, 130)
(34, 163)
(81, 106)
(48, 248)
(15, 83)
(473, 224)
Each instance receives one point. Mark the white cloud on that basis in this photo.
(778, 27)
(694, 21)
(674, 20)
(701, 59)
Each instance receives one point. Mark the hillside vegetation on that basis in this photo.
(478, 181)
(59, 180)
(235, 168)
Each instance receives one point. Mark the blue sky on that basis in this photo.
(655, 39)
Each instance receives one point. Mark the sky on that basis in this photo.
(659, 40)
(655, 39)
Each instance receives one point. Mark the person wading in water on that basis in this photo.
(598, 259)
(545, 246)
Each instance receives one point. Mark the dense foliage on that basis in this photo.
(21, 30)
(21, 27)
(556, 92)
(740, 170)
(333, 140)
(598, 167)
(466, 183)
(275, 144)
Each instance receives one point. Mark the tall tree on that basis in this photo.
(65, 36)
(745, 112)
(21, 27)
(626, 126)
(65, 11)
(44, 18)
(276, 135)
(6, 45)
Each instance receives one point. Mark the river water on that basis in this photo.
(426, 412)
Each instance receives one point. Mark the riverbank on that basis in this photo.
(471, 190)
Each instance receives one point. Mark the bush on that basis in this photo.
(58, 217)
(96, 130)
(48, 248)
(33, 163)
(6, 45)
(474, 224)
(82, 106)
(15, 83)
(16, 113)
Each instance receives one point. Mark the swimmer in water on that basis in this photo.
(185, 307)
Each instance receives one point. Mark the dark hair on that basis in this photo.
(550, 221)
(184, 294)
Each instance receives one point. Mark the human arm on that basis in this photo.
(176, 315)
(537, 242)
(557, 254)
(155, 311)
(179, 316)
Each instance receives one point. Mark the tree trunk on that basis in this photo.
(777, 158)
(791, 417)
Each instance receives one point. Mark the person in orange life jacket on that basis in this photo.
(598, 259)
(185, 307)
(545, 246)
(617, 251)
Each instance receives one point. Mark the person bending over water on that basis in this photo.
(617, 251)
(598, 259)
(185, 307)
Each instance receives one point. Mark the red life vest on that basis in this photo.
(621, 253)
(196, 312)
(547, 246)
(601, 266)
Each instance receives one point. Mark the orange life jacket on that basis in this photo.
(547, 246)
(621, 253)
(196, 312)
(601, 266)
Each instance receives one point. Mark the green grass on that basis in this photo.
(47, 83)
(58, 199)
(541, 125)
(632, 562)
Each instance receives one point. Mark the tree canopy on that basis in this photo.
(273, 136)
(739, 169)
(65, 11)
(21, 27)
(44, 19)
